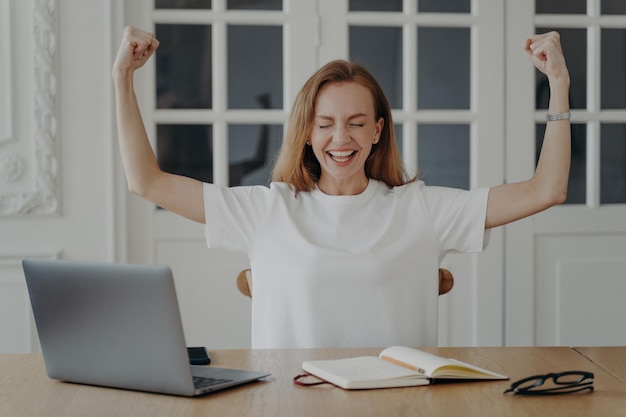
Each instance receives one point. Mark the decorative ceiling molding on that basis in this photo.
(44, 200)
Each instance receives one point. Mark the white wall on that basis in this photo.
(83, 226)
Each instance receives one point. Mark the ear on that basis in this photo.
(379, 129)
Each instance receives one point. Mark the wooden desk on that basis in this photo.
(25, 389)
(612, 359)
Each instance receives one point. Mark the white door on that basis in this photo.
(566, 267)
(437, 65)
(214, 102)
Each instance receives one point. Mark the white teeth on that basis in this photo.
(341, 154)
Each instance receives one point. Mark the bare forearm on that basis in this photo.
(139, 161)
(548, 186)
(552, 173)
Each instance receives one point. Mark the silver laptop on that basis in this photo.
(117, 325)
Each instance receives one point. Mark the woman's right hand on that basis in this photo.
(136, 48)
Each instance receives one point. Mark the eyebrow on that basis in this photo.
(354, 116)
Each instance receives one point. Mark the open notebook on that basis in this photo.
(396, 366)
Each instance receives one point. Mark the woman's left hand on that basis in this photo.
(544, 50)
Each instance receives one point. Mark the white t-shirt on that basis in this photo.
(345, 271)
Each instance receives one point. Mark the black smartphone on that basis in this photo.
(198, 356)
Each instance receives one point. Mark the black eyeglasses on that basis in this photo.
(566, 383)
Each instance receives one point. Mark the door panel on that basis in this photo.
(564, 268)
(580, 287)
(214, 313)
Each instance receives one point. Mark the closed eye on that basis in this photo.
(357, 124)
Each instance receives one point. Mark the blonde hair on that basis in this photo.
(297, 165)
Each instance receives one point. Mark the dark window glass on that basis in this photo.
(576, 191)
(448, 6)
(251, 153)
(375, 5)
(183, 67)
(561, 7)
(613, 163)
(255, 66)
(443, 68)
(399, 131)
(380, 50)
(613, 69)
(444, 155)
(254, 4)
(574, 43)
(186, 150)
(613, 7)
(182, 4)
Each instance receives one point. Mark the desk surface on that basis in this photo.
(25, 389)
(611, 359)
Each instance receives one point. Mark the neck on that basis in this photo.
(343, 188)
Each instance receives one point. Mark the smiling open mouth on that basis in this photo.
(341, 156)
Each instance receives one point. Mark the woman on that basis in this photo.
(344, 246)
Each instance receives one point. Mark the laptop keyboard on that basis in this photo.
(204, 382)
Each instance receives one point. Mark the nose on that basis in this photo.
(341, 135)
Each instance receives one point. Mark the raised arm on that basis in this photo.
(176, 193)
(548, 186)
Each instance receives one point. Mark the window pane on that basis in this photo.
(448, 6)
(561, 7)
(251, 152)
(613, 163)
(182, 4)
(255, 50)
(183, 66)
(443, 68)
(254, 4)
(399, 131)
(444, 155)
(613, 69)
(574, 43)
(380, 50)
(576, 190)
(186, 150)
(375, 5)
(613, 7)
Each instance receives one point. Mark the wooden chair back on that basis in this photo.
(244, 282)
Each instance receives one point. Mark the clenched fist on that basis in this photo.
(136, 48)
(544, 50)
